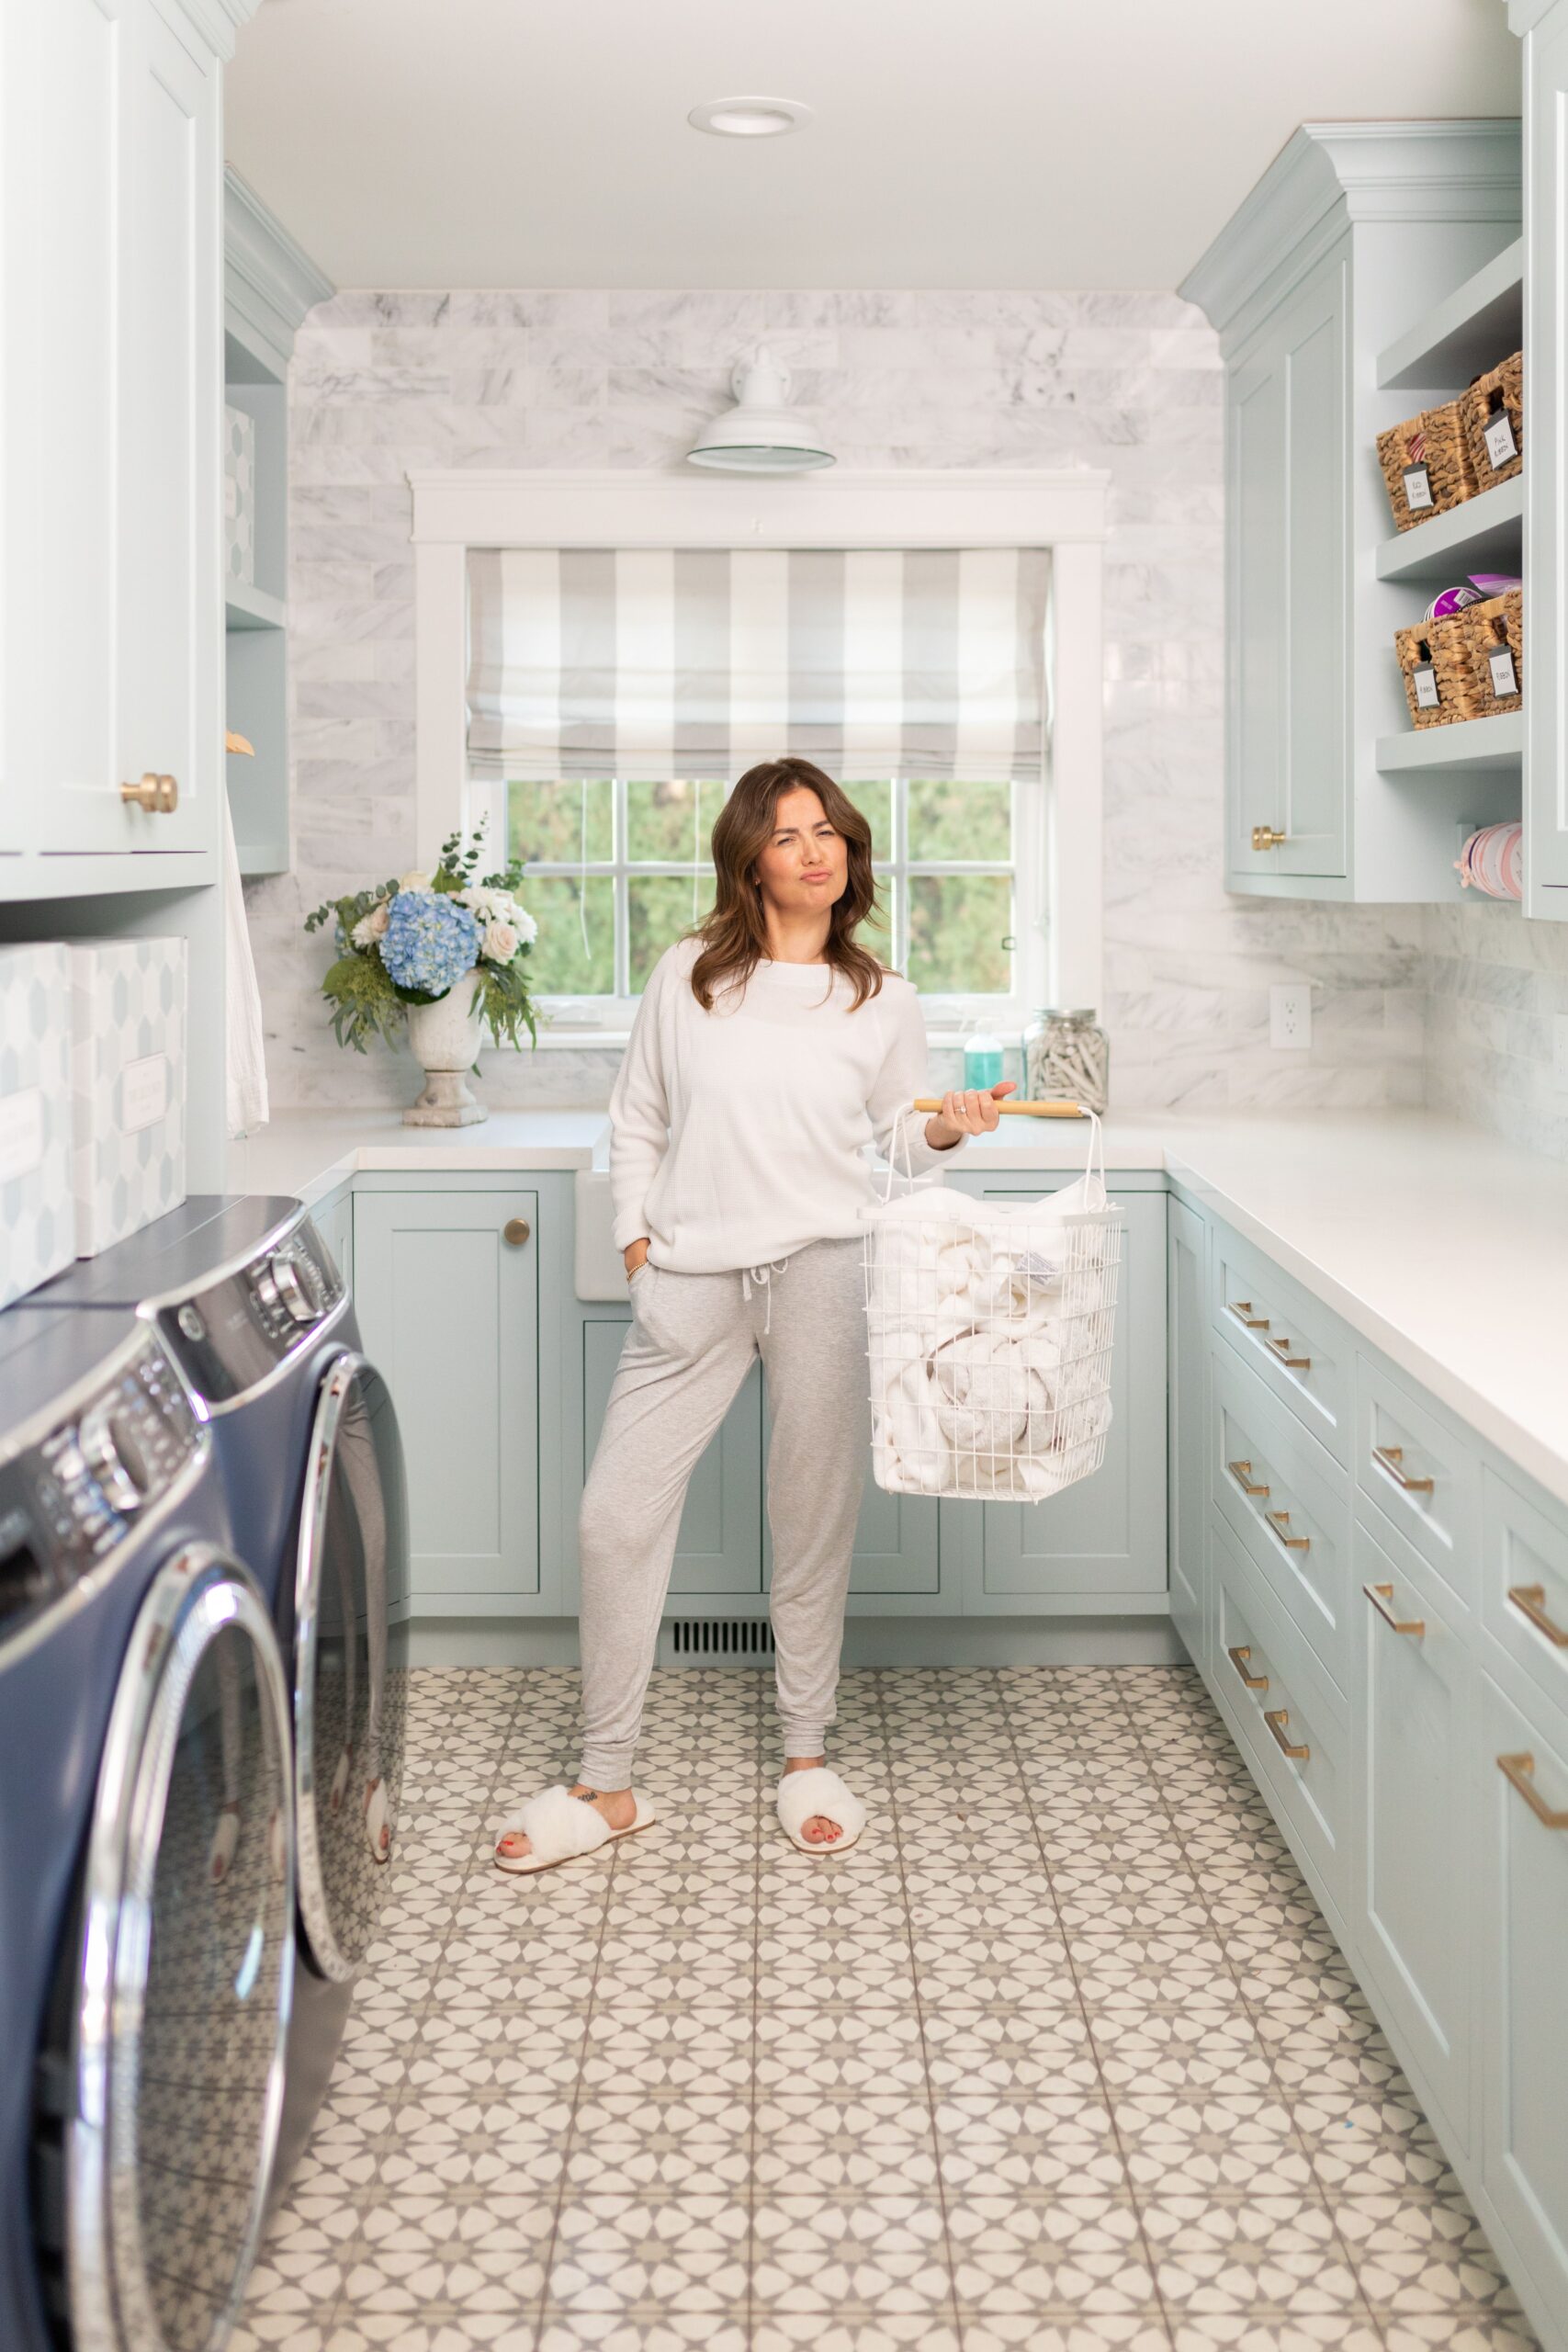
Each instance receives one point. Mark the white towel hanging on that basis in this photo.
(245, 1097)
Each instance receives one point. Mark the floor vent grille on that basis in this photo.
(716, 1641)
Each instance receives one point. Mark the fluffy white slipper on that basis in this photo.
(225, 1839)
(339, 1789)
(558, 1826)
(801, 1794)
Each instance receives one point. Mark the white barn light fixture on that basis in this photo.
(750, 117)
(760, 434)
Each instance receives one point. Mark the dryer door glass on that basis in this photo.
(349, 1701)
(182, 1977)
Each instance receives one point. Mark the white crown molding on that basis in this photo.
(217, 21)
(1525, 14)
(975, 507)
(269, 282)
(1342, 173)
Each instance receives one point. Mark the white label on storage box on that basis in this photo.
(21, 1133)
(143, 1092)
(1424, 678)
(1418, 489)
(1500, 661)
(1498, 435)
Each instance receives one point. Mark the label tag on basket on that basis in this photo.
(1501, 446)
(1417, 489)
(1424, 678)
(1500, 661)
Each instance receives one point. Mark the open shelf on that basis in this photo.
(1485, 533)
(1470, 747)
(1478, 325)
(248, 607)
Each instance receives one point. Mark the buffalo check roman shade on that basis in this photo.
(698, 662)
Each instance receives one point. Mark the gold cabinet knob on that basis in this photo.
(515, 1231)
(1265, 837)
(158, 795)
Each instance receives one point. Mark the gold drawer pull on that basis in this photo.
(1529, 1599)
(1380, 1595)
(515, 1231)
(1277, 1718)
(1279, 1521)
(1242, 1473)
(158, 796)
(1242, 1309)
(1520, 1770)
(1281, 1348)
(1238, 1658)
(1265, 837)
(1390, 1458)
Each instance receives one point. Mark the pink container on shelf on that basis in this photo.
(1492, 861)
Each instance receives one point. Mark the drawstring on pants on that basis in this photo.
(750, 1274)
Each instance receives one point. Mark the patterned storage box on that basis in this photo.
(38, 1232)
(128, 1072)
(239, 497)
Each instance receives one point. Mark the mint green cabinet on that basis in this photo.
(1187, 1424)
(448, 1302)
(1546, 459)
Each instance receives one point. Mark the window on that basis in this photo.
(619, 867)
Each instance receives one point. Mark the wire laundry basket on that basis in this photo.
(989, 1335)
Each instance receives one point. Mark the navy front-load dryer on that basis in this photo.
(247, 1299)
(146, 1854)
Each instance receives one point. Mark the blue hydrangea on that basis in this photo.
(430, 941)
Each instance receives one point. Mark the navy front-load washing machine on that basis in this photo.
(146, 1853)
(246, 1297)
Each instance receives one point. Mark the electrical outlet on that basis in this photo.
(1560, 1051)
(1290, 1017)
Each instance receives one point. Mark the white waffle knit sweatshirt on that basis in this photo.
(736, 1134)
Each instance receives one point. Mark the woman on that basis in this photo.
(768, 1047)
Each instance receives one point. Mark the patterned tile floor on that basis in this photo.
(1062, 2056)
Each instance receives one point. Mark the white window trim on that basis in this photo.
(1062, 509)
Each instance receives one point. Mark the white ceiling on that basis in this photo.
(1048, 143)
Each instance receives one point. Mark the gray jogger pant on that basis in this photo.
(694, 1338)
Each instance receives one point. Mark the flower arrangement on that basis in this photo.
(411, 941)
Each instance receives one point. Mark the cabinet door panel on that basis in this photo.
(1188, 1417)
(449, 1312)
(171, 459)
(1317, 760)
(1523, 1917)
(1255, 593)
(1413, 1689)
(61, 75)
(1546, 462)
(718, 1547)
(1107, 1535)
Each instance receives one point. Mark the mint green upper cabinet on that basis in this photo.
(1353, 234)
(1546, 460)
(110, 460)
(1286, 587)
(449, 1311)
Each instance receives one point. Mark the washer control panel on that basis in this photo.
(70, 1496)
(231, 1335)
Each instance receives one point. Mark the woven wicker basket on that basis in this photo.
(1488, 627)
(1500, 391)
(1436, 440)
(1446, 644)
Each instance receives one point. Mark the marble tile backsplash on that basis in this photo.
(383, 381)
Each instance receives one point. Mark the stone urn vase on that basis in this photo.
(446, 1040)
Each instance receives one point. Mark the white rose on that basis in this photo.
(415, 881)
(370, 927)
(523, 923)
(500, 943)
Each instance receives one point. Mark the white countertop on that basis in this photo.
(1441, 1245)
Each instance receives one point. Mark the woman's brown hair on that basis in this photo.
(734, 935)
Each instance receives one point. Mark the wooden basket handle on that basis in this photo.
(1029, 1110)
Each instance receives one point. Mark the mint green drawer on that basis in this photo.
(1524, 1587)
(1287, 1504)
(1421, 1472)
(1303, 1354)
(1289, 1720)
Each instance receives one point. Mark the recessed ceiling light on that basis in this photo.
(750, 117)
